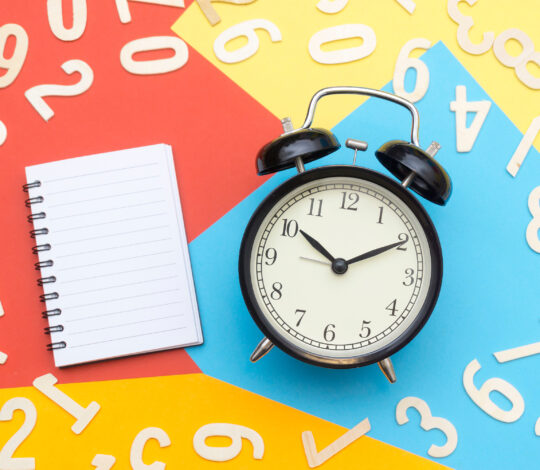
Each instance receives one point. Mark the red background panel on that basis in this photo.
(215, 129)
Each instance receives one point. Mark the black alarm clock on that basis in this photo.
(341, 266)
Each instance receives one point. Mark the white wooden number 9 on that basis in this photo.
(14, 64)
(246, 29)
(234, 432)
(481, 395)
(534, 226)
(7, 462)
(56, 21)
(427, 422)
(404, 63)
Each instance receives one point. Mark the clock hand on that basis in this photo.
(375, 252)
(316, 260)
(315, 244)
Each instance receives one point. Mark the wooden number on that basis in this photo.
(56, 20)
(518, 353)
(211, 13)
(137, 448)
(125, 15)
(13, 64)
(537, 427)
(332, 6)
(36, 94)
(337, 33)
(532, 234)
(404, 63)
(519, 62)
(466, 136)
(3, 133)
(524, 146)
(481, 396)
(246, 29)
(233, 431)
(103, 462)
(465, 24)
(156, 66)
(7, 462)
(45, 384)
(3, 358)
(427, 422)
(315, 458)
(409, 5)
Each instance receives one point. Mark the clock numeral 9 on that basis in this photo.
(365, 331)
(276, 292)
(290, 228)
(351, 199)
(404, 238)
(329, 334)
(315, 207)
(409, 281)
(271, 256)
(302, 313)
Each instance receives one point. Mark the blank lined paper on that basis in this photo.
(121, 262)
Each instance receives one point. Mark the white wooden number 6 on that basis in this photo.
(7, 462)
(427, 422)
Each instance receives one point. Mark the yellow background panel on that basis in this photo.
(283, 77)
(180, 405)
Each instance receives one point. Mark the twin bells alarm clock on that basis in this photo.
(341, 266)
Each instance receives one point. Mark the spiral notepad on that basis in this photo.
(113, 255)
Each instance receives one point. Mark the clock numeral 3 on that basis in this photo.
(302, 313)
(290, 228)
(392, 308)
(404, 238)
(409, 281)
(329, 334)
(315, 207)
(349, 201)
(365, 331)
(276, 292)
(271, 256)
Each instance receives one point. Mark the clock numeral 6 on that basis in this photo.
(276, 292)
(349, 201)
(365, 331)
(329, 334)
(409, 280)
(271, 256)
(290, 228)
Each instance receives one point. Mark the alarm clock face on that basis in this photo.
(340, 266)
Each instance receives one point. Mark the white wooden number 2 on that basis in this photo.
(404, 63)
(7, 462)
(156, 66)
(36, 94)
(427, 422)
(246, 29)
(56, 21)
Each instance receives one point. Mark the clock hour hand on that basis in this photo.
(315, 244)
(375, 252)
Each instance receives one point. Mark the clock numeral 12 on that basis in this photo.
(352, 198)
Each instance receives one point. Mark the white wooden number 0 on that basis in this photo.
(36, 94)
(337, 33)
(404, 63)
(427, 422)
(332, 6)
(466, 136)
(465, 24)
(56, 21)
(137, 448)
(3, 133)
(533, 234)
(524, 146)
(14, 64)
(125, 15)
(7, 462)
(481, 395)
(246, 29)
(156, 66)
(234, 432)
(315, 458)
(45, 384)
(103, 462)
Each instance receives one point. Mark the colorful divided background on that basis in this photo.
(216, 116)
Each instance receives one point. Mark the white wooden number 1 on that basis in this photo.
(7, 462)
(45, 384)
(466, 136)
(125, 15)
(427, 422)
(524, 146)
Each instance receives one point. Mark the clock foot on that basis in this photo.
(388, 369)
(262, 348)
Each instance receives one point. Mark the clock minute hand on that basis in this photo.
(315, 244)
(375, 252)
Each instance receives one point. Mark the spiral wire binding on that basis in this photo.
(44, 264)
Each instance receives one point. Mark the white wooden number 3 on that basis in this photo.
(427, 422)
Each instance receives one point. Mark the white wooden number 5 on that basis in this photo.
(427, 422)
(7, 462)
